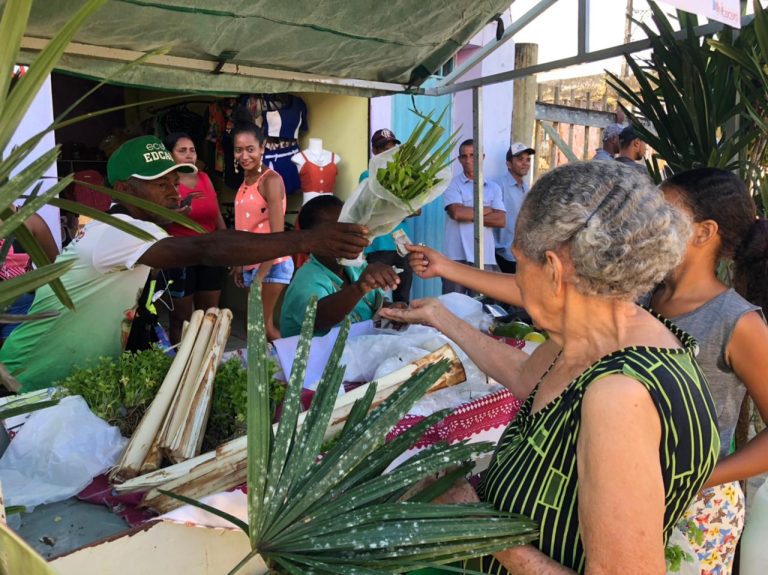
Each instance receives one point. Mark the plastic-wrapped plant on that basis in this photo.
(342, 513)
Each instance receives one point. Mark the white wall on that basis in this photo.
(38, 117)
(496, 100)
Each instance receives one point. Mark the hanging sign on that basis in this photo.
(725, 11)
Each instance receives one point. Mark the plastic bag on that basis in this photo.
(754, 556)
(690, 565)
(57, 453)
(374, 206)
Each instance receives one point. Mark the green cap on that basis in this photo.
(145, 158)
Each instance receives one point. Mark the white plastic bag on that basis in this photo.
(691, 566)
(754, 555)
(57, 453)
(374, 206)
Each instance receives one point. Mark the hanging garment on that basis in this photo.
(316, 178)
(285, 122)
(280, 161)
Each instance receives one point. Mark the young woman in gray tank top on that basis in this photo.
(732, 337)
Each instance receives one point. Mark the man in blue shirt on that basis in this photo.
(610, 142)
(513, 190)
(459, 243)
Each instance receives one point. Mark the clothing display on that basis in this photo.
(534, 471)
(313, 278)
(459, 243)
(285, 121)
(279, 160)
(315, 178)
(252, 212)
(104, 283)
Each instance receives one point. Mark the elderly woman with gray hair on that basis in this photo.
(618, 431)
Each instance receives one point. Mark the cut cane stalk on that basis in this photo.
(189, 438)
(185, 392)
(138, 454)
(225, 467)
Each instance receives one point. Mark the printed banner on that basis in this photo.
(725, 11)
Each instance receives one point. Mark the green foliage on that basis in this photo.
(675, 556)
(414, 168)
(341, 513)
(230, 402)
(689, 107)
(120, 390)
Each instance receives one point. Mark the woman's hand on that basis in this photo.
(427, 311)
(237, 275)
(426, 262)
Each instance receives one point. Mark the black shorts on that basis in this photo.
(192, 279)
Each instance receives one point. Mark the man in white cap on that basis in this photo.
(109, 267)
(610, 142)
(513, 190)
(459, 201)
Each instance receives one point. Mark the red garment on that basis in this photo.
(316, 178)
(87, 196)
(205, 210)
(252, 212)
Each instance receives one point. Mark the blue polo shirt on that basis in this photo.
(513, 195)
(313, 278)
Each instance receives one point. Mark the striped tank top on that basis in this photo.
(534, 471)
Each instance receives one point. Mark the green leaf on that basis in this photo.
(30, 281)
(27, 87)
(217, 512)
(259, 424)
(93, 213)
(9, 411)
(151, 207)
(12, 27)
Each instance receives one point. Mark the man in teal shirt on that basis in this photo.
(341, 290)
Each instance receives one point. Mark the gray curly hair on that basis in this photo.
(622, 236)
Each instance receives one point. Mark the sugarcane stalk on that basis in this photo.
(179, 409)
(136, 456)
(189, 439)
(225, 468)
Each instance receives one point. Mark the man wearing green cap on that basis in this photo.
(109, 267)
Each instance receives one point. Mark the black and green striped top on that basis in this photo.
(534, 472)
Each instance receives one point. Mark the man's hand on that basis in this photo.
(378, 275)
(237, 275)
(337, 240)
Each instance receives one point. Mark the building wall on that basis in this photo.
(342, 123)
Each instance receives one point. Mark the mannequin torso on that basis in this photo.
(317, 169)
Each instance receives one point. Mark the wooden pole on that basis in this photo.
(538, 137)
(556, 127)
(587, 151)
(524, 95)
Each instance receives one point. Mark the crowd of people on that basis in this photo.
(626, 431)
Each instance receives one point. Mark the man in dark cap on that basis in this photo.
(631, 150)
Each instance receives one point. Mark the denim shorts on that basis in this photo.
(279, 274)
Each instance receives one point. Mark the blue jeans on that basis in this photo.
(20, 306)
(278, 274)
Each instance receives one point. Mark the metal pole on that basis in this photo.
(477, 136)
(583, 41)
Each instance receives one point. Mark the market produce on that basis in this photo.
(120, 390)
(402, 180)
(415, 168)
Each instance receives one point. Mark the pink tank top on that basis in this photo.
(252, 213)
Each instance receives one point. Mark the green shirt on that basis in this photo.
(313, 278)
(104, 283)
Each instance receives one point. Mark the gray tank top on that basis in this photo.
(712, 326)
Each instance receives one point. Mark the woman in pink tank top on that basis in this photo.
(260, 209)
